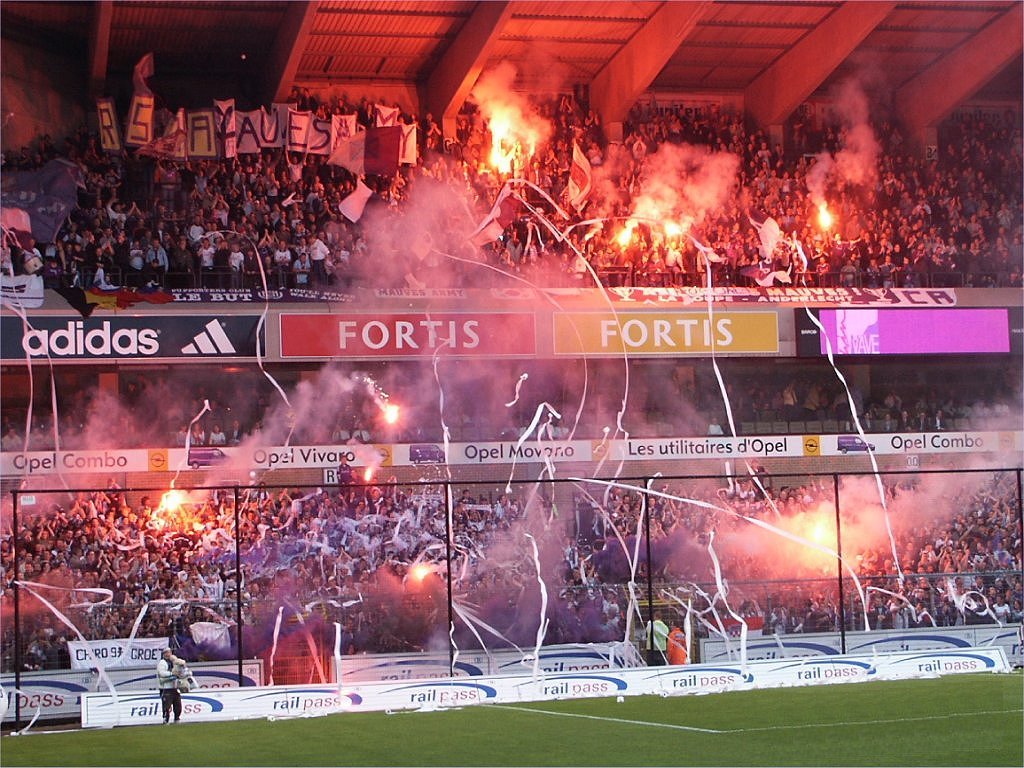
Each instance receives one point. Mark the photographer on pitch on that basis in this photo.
(168, 678)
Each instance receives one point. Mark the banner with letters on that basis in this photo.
(110, 130)
(665, 333)
(141, 127)
(796, 296)
(328, 457)
(224, 131)
(116, 653)
(411, 334)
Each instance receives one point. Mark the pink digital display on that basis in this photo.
(915, 331)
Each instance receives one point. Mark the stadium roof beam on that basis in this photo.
(927, 98)
(99, 46)
(790, 79)
(289, 45)
(446, 87)
(620, 82)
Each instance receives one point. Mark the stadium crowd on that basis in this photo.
(371, 557)
(952, 219)
(345, 555)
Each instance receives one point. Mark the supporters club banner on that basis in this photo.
(256, 295)
(224, 131)
(863, 297)
(138, 652)
(407, 335)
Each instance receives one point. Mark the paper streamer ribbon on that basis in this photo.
(31, 586)
(273, 648)
(542, 625)
(262, 324)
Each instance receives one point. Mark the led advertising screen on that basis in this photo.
(936, 331)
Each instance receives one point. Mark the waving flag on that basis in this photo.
(580, 178)
(504, 211)
(381, 152)
(349, 153)
(142, 72)
(353, 205)
(769, 233)
(45, 195)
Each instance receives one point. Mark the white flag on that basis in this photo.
(349, 153)
(21, 291)
(352, 207)
(579, 178)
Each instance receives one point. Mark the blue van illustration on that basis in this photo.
(203, 456)
(426, 453)
(847, 443)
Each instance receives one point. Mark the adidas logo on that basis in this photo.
(211, 341)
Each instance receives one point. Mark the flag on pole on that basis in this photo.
(580, 178)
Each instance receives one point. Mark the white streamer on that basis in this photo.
(542, 625)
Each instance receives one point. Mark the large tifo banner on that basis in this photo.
(116, 653)
(714, 650)
(56, 695)
(328, 457)
(100, 710)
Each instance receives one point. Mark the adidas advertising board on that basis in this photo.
(201, 336)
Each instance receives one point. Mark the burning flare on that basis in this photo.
(824, 217)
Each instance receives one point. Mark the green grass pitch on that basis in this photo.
(970, 720)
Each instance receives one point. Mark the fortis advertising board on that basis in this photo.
(154, 337)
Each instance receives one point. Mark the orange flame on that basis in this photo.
(625, 236)
(824, 217)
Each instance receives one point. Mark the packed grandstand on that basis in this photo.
(386, 559)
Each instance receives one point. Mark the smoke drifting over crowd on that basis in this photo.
(392, 541)
(855, 162)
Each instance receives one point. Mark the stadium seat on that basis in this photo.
(780, 427)
(798, 427)
(763, 428)
(812, 427)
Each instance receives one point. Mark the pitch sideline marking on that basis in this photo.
(754, 730)
(872, 722)
(608, 719)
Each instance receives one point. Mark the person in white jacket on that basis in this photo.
(167, 681)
